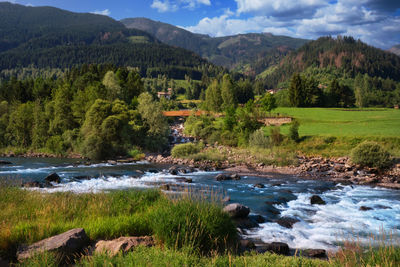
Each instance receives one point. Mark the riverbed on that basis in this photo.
(319, 226)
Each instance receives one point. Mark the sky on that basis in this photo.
(376, 22)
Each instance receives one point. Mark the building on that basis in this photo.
(166, 95)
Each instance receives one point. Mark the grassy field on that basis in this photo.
(345, 122)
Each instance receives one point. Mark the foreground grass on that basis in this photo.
(28, 216)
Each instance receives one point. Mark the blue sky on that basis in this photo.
(376, 22)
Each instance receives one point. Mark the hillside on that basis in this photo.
(50, 37)
(240, 52)
(343, 54)
(395, 49)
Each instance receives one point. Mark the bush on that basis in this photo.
(184, 150)
(294, 131)
(276, 136)
(258, 139)
(136, 154)
(371, 154)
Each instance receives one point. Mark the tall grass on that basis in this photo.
(29, 216)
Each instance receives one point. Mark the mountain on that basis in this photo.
(50, 37)
(343, 55)
(395, 49)
(241, 52)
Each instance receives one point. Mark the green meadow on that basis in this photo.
(345, 122)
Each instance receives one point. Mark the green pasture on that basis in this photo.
(377, 122)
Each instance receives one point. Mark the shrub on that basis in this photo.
(276, 136)
(136, 154)
(371, 154)
(184, 150)
(258, 139)
(294, 131)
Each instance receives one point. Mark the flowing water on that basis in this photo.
(319, 226)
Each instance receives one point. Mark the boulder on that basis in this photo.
(5, 162)
(315, 199)
(184, 180)
(152, 170)
(259, 186)
(165, 187)
(247, 244)
(245, 223)
(275, 247)
(287, 222)
(53, 177)
(123, 244)
(222, 177)
(226, 199)
(66, 243)
(173, 170)
(236, 210)
(235, 177)
(365, 208)
(257, 218)
(315, 253)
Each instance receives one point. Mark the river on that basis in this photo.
(319, 226)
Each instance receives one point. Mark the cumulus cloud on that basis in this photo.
(173, 5)
(105, 12)
(372, 21)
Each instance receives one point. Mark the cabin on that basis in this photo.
(166, 95)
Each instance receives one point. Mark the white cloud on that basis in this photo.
(105, 12)
(368, 20)
(173, 5)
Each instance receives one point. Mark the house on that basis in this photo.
(166, 95)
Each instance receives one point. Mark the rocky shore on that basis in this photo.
(339, 170)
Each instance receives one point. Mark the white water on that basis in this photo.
(326, 226)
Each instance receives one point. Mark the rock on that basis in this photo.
(112, 162)
(382, 207)
(247, 244)
(82, 177)
(53, 178)
(222, 177)
(235, 177)
(275, 247)
(315, 253)
(287, 222)
(123, 244)
(184, 180)
(152, 170)
(315, 199)
(5, 162)
(32, 184)
(66, 243)
(173, 170)
(236, 210)
(259, 186)
(245, 223)
(365, 208)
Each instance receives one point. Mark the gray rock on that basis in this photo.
(245, 223)
(275, 247)
(365, 208)
(315, 199)
(259, 186)
(66, 243)
(287, 222)
(235, 177)
(53, 177)
(236, 210)
(184, 180)
(247, 244)
(5, 162)
(123, 244)
(315, 253)
(222, 177)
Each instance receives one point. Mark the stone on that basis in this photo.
(315, 253)
(152, 170)
(257, 218)
(173, 170)
(287, 222)
(259, 186)
(5, 162)
(245, 223)
(222, 177)
(123, 244)
(66, 243)
(53, 177)
(247, 244)
(165, 187)
(315, 199)
(235, 176)
(226, 199)
(236, 210)
(184, 180)
(365, 208)
(275, 247)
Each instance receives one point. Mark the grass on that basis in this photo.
(345, 122)
(30, 216)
